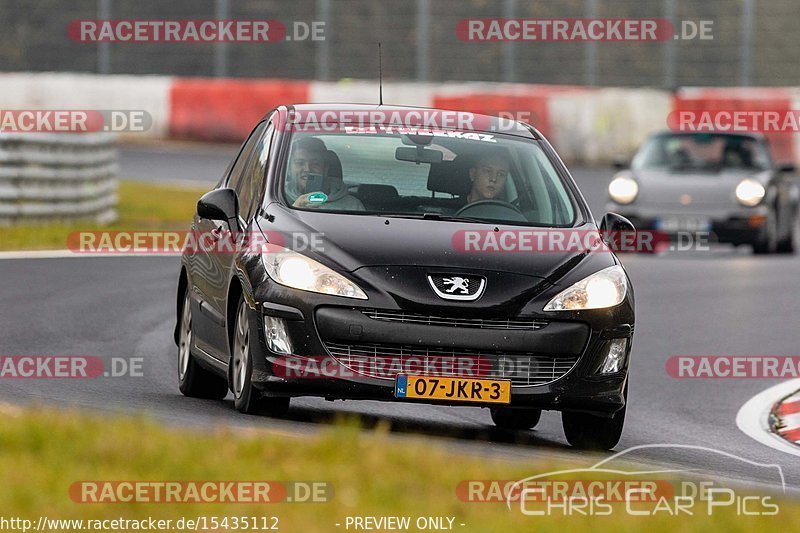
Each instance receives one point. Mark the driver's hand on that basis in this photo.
(302, 201)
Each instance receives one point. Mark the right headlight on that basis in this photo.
(602, 289)
(295, 270)
(750, 192)
(623, 189)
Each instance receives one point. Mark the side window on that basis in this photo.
(251, 185)
(235, 177)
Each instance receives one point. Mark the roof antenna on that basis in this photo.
(380, 75)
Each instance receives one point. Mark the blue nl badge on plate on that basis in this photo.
(400, 386)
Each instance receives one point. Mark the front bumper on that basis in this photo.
(733, 226)
(574, 349)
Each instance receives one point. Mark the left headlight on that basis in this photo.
(295, 270)
(602, 289)
(750, 192)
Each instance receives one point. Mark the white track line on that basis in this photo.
(61, 254)
(753, 416)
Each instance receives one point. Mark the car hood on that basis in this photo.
(670, 188)
(356, 241)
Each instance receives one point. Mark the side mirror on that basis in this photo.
(219, 204)
(619, 163)
(789, 168)
(616, 231)
(615, 222)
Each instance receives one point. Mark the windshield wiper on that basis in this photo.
(439, 216)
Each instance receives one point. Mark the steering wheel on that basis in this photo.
(495, 209)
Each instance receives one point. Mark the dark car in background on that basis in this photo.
(386, 305)
(723, 184)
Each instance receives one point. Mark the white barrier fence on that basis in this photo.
(57, 177)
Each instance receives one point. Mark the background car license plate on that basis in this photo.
(453, 389)
(672, 224)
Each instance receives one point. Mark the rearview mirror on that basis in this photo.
(418, 155)
(219, 204)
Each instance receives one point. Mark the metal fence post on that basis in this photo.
(104, 47)
(423, 39)
(222, 12)
(590, 60)
(509, 59)
(746, 61)
(669, 48)
(322, 55)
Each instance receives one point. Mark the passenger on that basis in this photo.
(309, 157)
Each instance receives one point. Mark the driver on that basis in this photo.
(488, 176)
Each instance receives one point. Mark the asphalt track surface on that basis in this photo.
(699, 303)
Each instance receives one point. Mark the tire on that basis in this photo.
(591, 432)
(788, 244)
(194, 380)
(768, 244)
(246, 398)
(515, 419)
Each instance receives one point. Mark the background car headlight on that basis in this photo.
(602, 289)
(623, 189)
(750, 192)
(300, 272)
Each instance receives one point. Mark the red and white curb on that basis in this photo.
(757, 417)
(785, 418)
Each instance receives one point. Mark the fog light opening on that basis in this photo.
(277, 336)
(615, 356)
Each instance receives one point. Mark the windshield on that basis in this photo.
(702, 152)
(431, 174)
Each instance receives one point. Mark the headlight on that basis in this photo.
(623, 189)
(602, 289)
(750, 192)
(300, 272)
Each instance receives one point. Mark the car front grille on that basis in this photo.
(517, 324)
(385, 361)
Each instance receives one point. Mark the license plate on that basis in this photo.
(453, 389)
(673, 224)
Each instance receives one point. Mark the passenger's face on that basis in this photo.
(488, 177)
(305, 162)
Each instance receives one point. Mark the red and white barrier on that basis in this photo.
(786, 417)
(587, 125)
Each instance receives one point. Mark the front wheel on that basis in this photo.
(592, 432)
(768, 243)
(246, 398)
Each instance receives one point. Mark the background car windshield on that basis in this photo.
(702, 151)
(473, 175)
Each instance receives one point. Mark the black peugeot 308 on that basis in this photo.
(446, 262)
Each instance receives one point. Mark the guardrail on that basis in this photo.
(57, 177)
